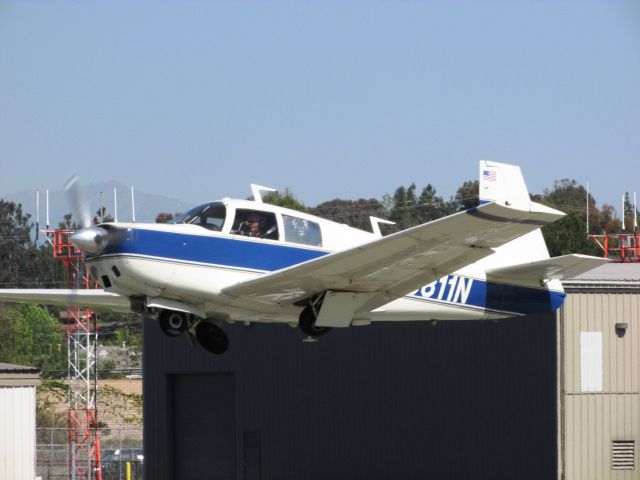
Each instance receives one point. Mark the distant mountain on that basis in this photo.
(147, 205)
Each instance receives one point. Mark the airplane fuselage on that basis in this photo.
(192, 266)
(240, 260)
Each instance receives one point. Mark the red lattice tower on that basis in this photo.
(619, 247)
(82, 414)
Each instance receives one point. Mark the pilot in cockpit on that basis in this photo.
(255, 221)
(255, 224)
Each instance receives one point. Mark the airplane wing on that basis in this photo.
(390, 267)
(566, 266)
(95, 298)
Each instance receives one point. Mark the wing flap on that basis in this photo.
(560, 268)
(95, 298)
(396, 264)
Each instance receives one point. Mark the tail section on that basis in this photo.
(502, 183)
(525, 259)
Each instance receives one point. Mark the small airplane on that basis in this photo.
(239, 260)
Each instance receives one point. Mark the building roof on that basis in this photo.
(617, 276)
(11, 368)
(613, 271)
(18, 375)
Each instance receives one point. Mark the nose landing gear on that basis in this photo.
(209, 335)
(173, 323)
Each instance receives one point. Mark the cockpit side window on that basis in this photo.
(255, 223)
(299, 230)
(210, 216)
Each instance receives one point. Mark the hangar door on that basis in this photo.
(203, 427)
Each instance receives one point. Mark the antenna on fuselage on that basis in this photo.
(375, 224)
(256, 189)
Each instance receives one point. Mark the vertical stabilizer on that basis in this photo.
(503, 184)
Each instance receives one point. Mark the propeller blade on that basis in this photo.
(77, 201)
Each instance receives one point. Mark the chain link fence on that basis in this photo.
(120, 450)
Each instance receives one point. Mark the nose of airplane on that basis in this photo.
(90, 240)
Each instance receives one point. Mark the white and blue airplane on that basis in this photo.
(238, 260)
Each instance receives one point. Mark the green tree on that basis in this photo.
(404, 209)
(67, 222)
(628, 214)
(22, 263)
(609, 222)
(29, 335)
(430, 206)
(15, 241)
(164, 217)
(102, 216)
(354, 213)
(285, 199)
(569, 234)
(467, 196)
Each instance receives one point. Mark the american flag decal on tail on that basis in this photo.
(489, 175)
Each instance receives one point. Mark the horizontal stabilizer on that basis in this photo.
(560, 268)
(95, 298)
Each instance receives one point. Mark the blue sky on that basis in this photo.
(196, 100)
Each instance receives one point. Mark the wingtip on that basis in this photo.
(540, 208)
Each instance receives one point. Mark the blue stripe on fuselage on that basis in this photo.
(500, 297)
(240, 253)
(231, 252)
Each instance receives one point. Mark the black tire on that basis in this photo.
(212, 338)
(173, 323)
(308, 324)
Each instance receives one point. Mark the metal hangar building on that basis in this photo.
(456, 400)
(548, 396)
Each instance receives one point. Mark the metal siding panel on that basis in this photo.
(600, 443)
(17, 433)
(385, 401)
(574, 338)
(617, 352)
(609, 312)
(633, 332)
(573, 335)
(592, 420)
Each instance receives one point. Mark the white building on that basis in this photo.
(599, 375)
(18, 421)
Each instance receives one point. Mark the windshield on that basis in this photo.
(210, 216)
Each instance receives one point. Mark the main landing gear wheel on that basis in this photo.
(173, 323)
(211, 337)
(308, 324)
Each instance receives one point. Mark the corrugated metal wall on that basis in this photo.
(459, 400)
(17, 433)
(592, 420)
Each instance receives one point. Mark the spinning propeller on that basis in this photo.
(88, 238)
